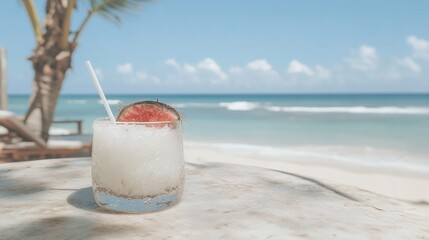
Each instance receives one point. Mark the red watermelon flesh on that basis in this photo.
(148, 111)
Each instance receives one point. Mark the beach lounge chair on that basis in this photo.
(31, 146)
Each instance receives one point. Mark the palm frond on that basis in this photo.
(34, 19)
(64, 43)
(111, 9)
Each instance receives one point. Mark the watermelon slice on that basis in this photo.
(148, 112)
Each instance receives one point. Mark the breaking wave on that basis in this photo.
(111, 101)
(77, 101)
(353, 109)
(192, 104)
(239, 106)
(249, 106)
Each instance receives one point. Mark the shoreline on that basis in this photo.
(406, 186)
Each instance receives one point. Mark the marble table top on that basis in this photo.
(52, 199)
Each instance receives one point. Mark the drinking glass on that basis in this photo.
(137, 167)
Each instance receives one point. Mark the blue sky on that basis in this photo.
(240, 46)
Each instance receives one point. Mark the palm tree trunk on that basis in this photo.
(46, 89)
(51, 61)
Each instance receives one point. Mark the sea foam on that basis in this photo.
(239, 106)
(193, 105)
(353, 109)
(111, 101)
(264, 106)
(77, 101)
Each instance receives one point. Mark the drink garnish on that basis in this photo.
(148, 111)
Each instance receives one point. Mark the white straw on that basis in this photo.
(100, 91)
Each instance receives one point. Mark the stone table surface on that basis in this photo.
(52, 199)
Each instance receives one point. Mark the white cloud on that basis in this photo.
(420, 46)
(364, 59)
(135, 76)
(375, 73)
(235, 69)
(156, 79)
(126, 68)
(410, 64)
(172, 63)
(207, 65)
(141, 75)
(189, 68)
(322, 72)
(210, 65)
(261, 65)
(297, 67)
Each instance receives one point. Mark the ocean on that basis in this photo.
(389, 130)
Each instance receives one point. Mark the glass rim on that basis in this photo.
(107, 120)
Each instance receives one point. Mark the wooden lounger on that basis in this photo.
(33, 146)
(54, 149)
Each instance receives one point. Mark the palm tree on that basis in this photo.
(55, 45)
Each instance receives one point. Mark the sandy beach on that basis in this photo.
(408, 186)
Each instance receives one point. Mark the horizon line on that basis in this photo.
(249, 93)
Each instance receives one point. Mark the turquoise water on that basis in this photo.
(397, 122)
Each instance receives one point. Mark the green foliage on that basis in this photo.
(110, 9)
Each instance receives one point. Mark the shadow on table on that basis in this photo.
(66, 227)
(14, 185)
(84, 199)
(320, 184)
(70, 227)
